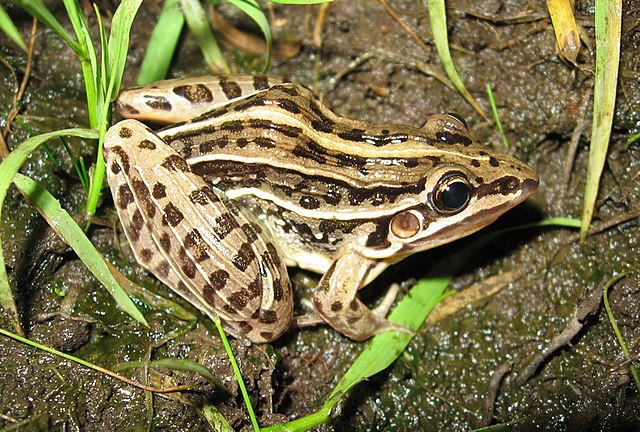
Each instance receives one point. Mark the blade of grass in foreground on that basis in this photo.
(438, 19)
(63, 224)
(199, 25)
(383, 349)
(7, 26)
(608, 24)
(8, 169)
(162, 44)
(253, 11)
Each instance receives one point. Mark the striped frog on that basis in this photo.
(254, 175)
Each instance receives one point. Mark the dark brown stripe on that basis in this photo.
(175, 162)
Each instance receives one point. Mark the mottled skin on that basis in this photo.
(217, 205)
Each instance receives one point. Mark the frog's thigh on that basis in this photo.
(201, 247)
(336, 299)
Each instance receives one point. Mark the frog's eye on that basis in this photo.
(406, 224)
(459, 118)
(452, 193)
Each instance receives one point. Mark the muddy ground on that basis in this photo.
(465, 371)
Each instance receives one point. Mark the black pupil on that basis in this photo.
(454, 196)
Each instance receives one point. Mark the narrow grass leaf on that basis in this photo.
(37, 9)
(7, 26)
(163, 43)
(383, 349)
(184, 365)
(63, 224)
(566, 29)
(608, 23)
(236, 371)
(496, 118)
(216, 420)
(8, 169)
(108, 82)
(438, 19)
(118, 45)
(252, 9)
(627, 354)
(201, 29)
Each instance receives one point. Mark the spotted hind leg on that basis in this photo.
(193, 239)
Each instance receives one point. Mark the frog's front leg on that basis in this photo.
(335, 298)
(195, 241)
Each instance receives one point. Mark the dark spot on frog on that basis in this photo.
(158, 102)
(264, 142)
(165, 242)
(147, 145)
(267, 336)
(194, 242)
(125, 196)
(145, 255)
(122, 154)
(322, 126)
(159, 191)
(453, 138)
(267, 316)
(475, 163)
(494, 162)
(115, 168)
(175, 162)
(163, 269)
(223, 225)
(172, 215)
(125, 132)
(195, 93)
(309, 202)
(244, 257)
(336, 306)
(231, 89)
(289, 105)
(260, 82)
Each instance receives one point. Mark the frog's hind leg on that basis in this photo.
(193, 239)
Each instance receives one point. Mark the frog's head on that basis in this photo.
(467, 189)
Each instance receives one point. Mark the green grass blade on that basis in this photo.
(438, 19)
(162, 44)
(236, 372)
(40, 11)
(383, 349)
(608, 24)
(64, 225)
(252, 9)
(616, 329)
(496, 118)
(112, 70)
(8, 169)
(118, 45)
(199, 25)
(7, 26)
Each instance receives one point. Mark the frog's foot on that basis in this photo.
(336, 300)
(307, 320)
(383, 308)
